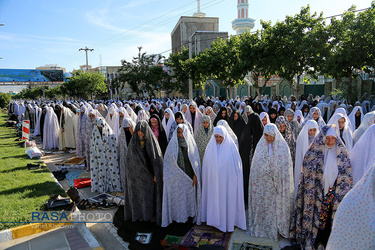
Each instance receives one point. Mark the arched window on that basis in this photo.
(239, 14)
(241, 1)
(246, 13)
(243, 13)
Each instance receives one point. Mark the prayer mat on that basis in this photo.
(74, 160)
(128, 231)
(71, 176)
(85, 174)
(250, 246)
(205, 235)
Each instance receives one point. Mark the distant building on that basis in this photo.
(51, 67)
(187, 25)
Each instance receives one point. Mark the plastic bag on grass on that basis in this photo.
(33, 152)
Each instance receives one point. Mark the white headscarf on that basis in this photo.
(131, 112)
(320, 121)
(343, 112)
(362, 155)
(262, 115)
(331, 169)
(302, 146)
(114, 121)
(347, 132)
(297, 114)
(368, 121)
(230, 131)
(167, 126)
(198, 116)
(142, 115)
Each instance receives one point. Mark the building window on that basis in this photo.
(239, 14)
(243, 13)
(246, 13)
(241, 1)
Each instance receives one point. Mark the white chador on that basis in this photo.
(50, 130)
(271, 187)
(167, 124)
(112, 120)
(67, 134)
(303, 142)
(345, 133)
(181, 199)
(353, 226)
(105, 172)
(362, 155)
(222, 184)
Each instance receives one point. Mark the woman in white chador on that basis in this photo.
(51, 130)
(230, 131)
(316, 115)
(362, 155)
(222, 184)
(181, 179)
(67, 134)
(270, 187)
(105, 172)
(341, 122)
(167, 121)
(368, 121)
(353, 226)
(194, 116)
(304, 140)
(142, 116)
(113, 119)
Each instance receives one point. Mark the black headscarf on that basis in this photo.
(163, 143)
(220, 117)
(154, 110)
(272, 111)
(237, 126)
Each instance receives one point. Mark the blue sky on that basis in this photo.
(39, 32)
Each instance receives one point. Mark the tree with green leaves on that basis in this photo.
(83, 85)
(143, 73)
(179, 75)
(257, 58)
(299, 45)
(351, 48)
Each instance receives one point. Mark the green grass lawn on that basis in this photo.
(21, 190)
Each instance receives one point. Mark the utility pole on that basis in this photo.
(87, 58)
(190, 80)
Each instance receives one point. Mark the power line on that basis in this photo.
(146, 29)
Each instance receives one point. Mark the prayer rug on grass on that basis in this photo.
(205, 235)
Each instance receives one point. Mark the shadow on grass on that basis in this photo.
(23, 156)
(37, 171)
(36, 190)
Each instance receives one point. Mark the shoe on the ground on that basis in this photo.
(33, 166)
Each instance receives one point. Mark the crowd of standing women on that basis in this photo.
(297, 171)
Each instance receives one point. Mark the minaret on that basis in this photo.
(199, 13)
(243, 22)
